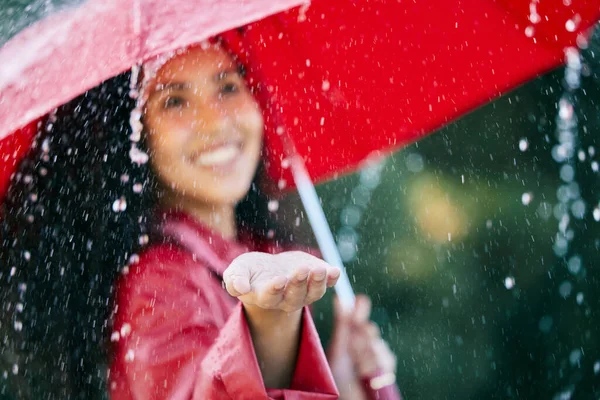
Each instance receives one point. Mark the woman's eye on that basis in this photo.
(174, 102)
(228, 88)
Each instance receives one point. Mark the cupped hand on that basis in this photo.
(287, 281)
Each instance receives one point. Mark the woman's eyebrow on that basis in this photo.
(172, 86)
(225, 73)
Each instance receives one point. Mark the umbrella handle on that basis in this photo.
(322, 231)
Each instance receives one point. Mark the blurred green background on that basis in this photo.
(456, 249)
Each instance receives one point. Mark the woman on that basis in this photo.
(182, 225)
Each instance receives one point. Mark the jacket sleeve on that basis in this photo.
(176, 337)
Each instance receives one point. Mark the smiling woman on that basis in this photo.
(175, 261)
(205, 133)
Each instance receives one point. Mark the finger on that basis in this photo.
(237, 278)
(270, 295)
(317, 284)
(333, 274)
(362, 310)
(386, 359)
(296, 291)
(341, 331)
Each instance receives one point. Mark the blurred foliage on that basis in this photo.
(458, 255)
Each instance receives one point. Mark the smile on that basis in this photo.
(219, 155)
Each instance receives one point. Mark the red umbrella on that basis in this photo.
(344, 79)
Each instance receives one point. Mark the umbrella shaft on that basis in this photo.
(322, 231)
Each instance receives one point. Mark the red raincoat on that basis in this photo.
(179, 335)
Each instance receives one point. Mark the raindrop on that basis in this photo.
(130, 355)
(571, 24)
(125, 330)
(273, 205)
(578, 209)
(529, 31)
(596, 213)
(19, 307)
(137, 188)
(115, 336)
(488, 224)
(325, 87)
(595, 166)
(523, 144)
(526, 198)
(124, 178)
(414, 162)
(581, 155)
(574, 265)
(18, 326)
(134, 259)
(137, 156)
(15, 369)
(285, 163)
(43, 171)
(281, 184)
(580, 298)
(350, 216)
(13, 271)
(143, 240)
(119, 205)
(545, 324)
(567, 173)
(597, 367)
(509, 282)
(591, 151)
(33, 197)
(27, 255)
(565, 289)
(575, 356)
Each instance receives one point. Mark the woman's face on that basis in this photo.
(204, 127)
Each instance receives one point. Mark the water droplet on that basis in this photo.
(43, 171)
(325, 87)
(596, 213)
(273, 205)
(523, 144)
(18, 326)
(488, 224)
(33, 197)
(27, 255)
(529, 31)
(119, 205)
(13, 271)
(19, 307)
(125, 330)
(414, 162)
(281, 184)
(143, 240)
(509, 282)
(565, 289)
(580, 298)
(526, 198)
(581, 155)
(130, 355)
(137, 156)
(574, 265)
(575, 356)
(572, 24)
(138, 187)
(124, 178)
(308, 62)
(578, 209)
(567, 173)
(15, 369)
(597, 367)
(134, 259)
(595, 166)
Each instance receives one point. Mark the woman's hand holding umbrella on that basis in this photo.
(274, 289)
(362, 364)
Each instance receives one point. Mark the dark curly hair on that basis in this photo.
(63, 245)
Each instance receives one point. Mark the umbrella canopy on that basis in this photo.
(343, 79)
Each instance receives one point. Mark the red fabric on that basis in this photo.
(181, 336)
(344, 79)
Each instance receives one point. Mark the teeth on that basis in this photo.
(219, 156)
